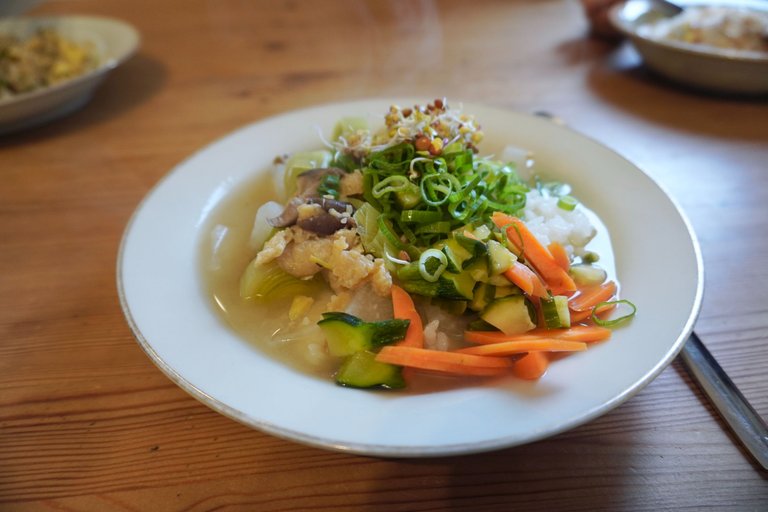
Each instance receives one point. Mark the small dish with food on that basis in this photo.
(50, 66)
(721, 47)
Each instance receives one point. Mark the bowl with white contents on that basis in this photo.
(719, 47)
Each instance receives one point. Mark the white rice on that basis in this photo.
(550, 223)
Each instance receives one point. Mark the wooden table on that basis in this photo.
(87, 422)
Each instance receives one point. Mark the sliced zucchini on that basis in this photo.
(478, 270)
(347, 334)
(480, 325)
(484, 293)
(505, 291)
(456, 254)
(476, 248)
(555, 312)
(462, 283)
(500, 259)
(482, 232)
(511, 314)
(362, 370)
(452, 307)
(588, 275)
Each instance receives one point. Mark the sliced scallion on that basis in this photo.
(388, 185)
(420, 216)
(432, 263)
(610, 323)
(567, 203)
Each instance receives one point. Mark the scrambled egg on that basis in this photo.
(40, 61)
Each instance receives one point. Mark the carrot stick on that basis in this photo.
(591, 297)
(584, 333)
(531, 366)
(525, 279)
(445, 362)
(507, 348)
(535, 253)
(404, 309)
(560, 255)
(580, 316)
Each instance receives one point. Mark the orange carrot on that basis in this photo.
(507, 348)
(404, 309)
(591, 297)
(580, 316)
(560, 255)
(445, 362)
(584, 333)
(531, 366)
(526, 279)
(535, 253)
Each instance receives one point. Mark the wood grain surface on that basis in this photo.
(87, 422)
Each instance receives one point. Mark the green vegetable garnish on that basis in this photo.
(610, 323)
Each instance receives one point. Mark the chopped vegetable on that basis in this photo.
(615, 321)
(301, 162)
(560, 255)
(526, 279)
(444, 362)
(512, 315)
(587, 334)
(590, 297)
(588, 275)
(555, 311)
(601, 311)
(531, 366)
(567, 203)
(535, 253)
(270, 282)
(432, 263)
(404, 309)
(362, 370)
(347, 334)
(506, 348)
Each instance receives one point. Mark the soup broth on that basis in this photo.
(225, 253)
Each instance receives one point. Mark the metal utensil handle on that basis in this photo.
(730, 403)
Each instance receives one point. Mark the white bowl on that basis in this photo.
(162, 293)
(114, 42)
(699, 66)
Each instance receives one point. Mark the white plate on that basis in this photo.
(658, 263)
(699, 66)
(114, 42)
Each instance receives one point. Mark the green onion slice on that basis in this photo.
(610, 323)
(420, 216)
(567, 203)
(432, 263)
(388, 185)
(442, 226)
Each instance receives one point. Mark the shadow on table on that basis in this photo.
(621, 79)
(124, 89)
(573, 471)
